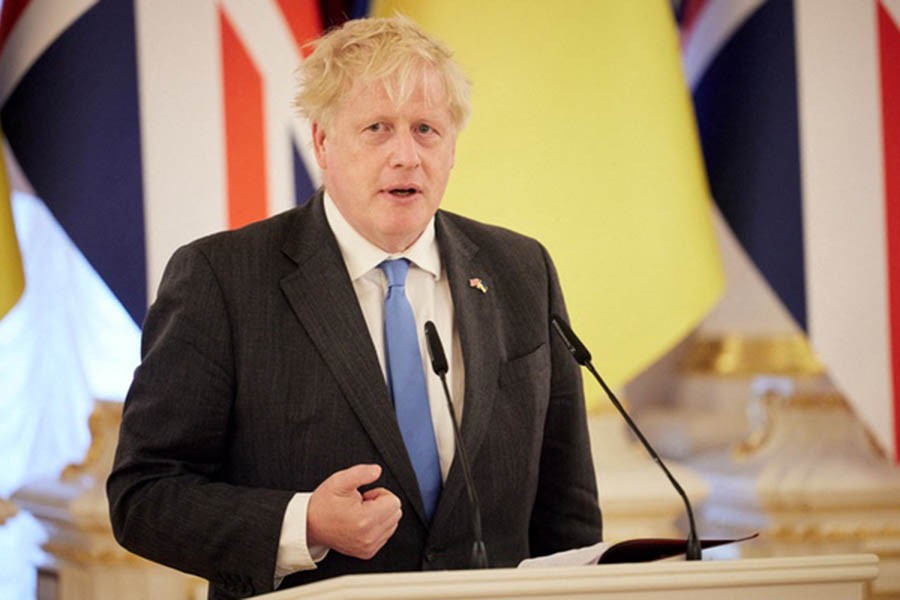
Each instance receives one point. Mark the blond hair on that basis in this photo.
(394, 51)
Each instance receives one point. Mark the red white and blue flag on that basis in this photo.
(130, 128)
(798, 105)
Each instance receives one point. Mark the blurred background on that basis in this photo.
(718, 182)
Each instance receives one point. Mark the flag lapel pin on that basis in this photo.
(477, 284)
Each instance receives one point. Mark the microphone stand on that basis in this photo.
(439, 365)
(479, 552)
(583, 357)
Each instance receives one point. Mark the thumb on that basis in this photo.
(349, 480)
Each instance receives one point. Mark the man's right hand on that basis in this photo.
(341, 518)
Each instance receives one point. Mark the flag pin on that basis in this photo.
(478, 284)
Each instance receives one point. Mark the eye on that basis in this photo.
(375, 127)
(424, 128)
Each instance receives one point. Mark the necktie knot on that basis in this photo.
(395, 270)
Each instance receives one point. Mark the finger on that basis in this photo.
(349, 480)
(390, 527)
(379, 535)
(382, 505)
(375, 493)
(383, 516)
(369, 541)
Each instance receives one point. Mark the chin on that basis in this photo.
(407, 219)
(404, 235)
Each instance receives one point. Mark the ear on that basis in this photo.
(318, 134)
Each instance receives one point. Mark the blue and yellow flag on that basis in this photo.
(583, 136)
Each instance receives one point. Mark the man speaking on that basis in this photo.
(282, 427)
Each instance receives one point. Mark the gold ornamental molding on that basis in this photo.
(104, 427)
(741, 356)
(7, 510)
(775, 405)
(822, 534)
(812, 400)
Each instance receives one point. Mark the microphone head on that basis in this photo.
(578, 350)
(435, 350)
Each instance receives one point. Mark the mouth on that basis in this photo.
(402, 191)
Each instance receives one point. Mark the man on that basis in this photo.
(267, 439)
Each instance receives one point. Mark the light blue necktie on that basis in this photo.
(406, 381)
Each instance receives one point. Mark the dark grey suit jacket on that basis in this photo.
(259, 379)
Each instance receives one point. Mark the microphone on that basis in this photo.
(583, 357)
(439, 366)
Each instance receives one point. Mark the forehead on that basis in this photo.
(421, 90)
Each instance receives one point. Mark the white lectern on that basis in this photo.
(836, 577)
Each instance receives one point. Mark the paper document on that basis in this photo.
(579, 557)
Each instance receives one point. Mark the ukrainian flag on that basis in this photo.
(583, 136)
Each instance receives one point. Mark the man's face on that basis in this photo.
(386, 166)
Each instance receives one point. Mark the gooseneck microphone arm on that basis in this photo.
(583, 357)
(439, 365)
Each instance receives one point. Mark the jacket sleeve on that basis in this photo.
(167, 499)
(566, 513)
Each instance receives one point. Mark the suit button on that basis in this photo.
(432, 554)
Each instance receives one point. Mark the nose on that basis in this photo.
(405, 151)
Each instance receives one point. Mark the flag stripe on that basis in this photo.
(266, 35)
(12, 10)
(37, 27)
(304, 20)
(244, 131)
(746, 103)
(690, 11)
(303, 185)
(180, 75)
(889, 52)
(712, 25)
(843, 195)
(85, 78)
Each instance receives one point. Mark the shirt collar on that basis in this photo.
(361, 256)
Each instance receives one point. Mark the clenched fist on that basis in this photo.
(341, 518)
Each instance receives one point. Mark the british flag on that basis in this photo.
(798, 104)
(131, 127)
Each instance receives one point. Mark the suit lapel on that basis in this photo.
(322, 296)
(476, 320)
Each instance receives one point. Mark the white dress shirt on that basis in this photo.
(428, 292)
